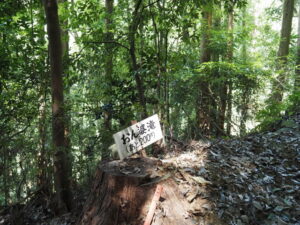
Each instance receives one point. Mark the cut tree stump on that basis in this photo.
(123, 191)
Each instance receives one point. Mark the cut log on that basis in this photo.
(123, 191)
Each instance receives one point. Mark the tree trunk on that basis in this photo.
(43, 178)
(108, 68)
(62, 182)
(205, 51)
(283, 51)
(229, 82)
(244, 45)
(244, 111)
(67, 106)
(297, 71)
(132, 51)
(217, 121)
(162, 59)
(109, 36)
(5, 177)
(245, 95)
(203, 99)
(43, 182)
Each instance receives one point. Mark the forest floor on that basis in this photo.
(249, 180)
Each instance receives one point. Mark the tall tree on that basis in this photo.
(283, 50)
(245, 94)
(297, 71)
(135, 67)
(109, 36)
(161, 47)
(43, 180)
(62, 182)
(203, 98)
(109, 69)
(229, 57)
(66, 74)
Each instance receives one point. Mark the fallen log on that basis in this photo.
(123, 191)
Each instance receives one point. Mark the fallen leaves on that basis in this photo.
(255, 180)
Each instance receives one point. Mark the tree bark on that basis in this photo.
(244, 45)
(245, 95)
(229, 82)
(205, 51)
(67, 106)
(162, 59)
(203, 100)
(283, 51)
(62, 182)
(132, 51)
(297, 70)
(109, 36)
(43, 182)
(43, 178)
(5, 177)
(108, 68)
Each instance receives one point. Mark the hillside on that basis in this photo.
(250, 180)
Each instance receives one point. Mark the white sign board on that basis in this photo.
(138, 136)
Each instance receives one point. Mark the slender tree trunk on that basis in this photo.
(62, 182)
(217, 121)
(218, 107)
(297, 71)
(42, 178)
(205, 51)
(132, 51)
(229, 82)
(162, 59)
(244, 45)
(245, 94)
(230, 32)
(156, 41)
(203, 99)
(167, 88)
(283, 51)
(5, 172)
(66, 62)
(5, 178)
(108, 67)
(67, 105)
(109, 36)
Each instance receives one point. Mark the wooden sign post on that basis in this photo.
(138, 136)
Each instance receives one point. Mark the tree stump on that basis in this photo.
(122, 193)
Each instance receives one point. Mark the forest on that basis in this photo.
(223, 77)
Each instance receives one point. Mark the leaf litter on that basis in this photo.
(256, 179)
(250, 180)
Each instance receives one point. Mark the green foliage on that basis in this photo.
(242, 76)
(273, 112)
(245, 79)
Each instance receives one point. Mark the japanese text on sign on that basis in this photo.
(138, 136)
